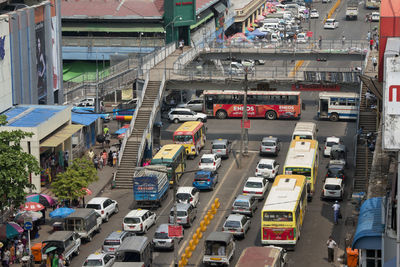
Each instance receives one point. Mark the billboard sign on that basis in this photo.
(391, 108)
(41, 61)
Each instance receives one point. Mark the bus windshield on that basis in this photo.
(277, 216)
(183, 138)
(299, 171)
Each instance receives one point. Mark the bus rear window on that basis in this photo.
(277, 216)
(302, 136)
(183, 138)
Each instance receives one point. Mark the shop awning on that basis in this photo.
(370, 226)
(220, 7)
(118, 27)
(84, 118)
(202, 20)
(61, 135)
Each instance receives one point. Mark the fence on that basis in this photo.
(85, 41)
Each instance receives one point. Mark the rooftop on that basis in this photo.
(31, 115)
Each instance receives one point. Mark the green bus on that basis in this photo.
(174, 157)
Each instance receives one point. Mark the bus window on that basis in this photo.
(183, 138)
(334, 101)
(342, 101)
(277, 216)
(351, 102)
(210, 102)
(284, 100)
(293, 100)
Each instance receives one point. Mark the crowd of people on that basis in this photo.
(104, 158)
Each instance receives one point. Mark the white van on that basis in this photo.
(305, 130)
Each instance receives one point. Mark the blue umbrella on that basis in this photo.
(121, 131)
(61, 212)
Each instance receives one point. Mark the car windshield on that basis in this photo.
(241, 204)
(268, 143)
(332, 187)
(233, 224)
(335, 170)
(207, 160)
(183, 138)
(161, 235)
(253, 185)
(93, 206)
(277, 216)
(264, 166)
(112, 242)
(331, 144)
(183, 196)
(97, 262)
(179, 213)
(218, 147)
(200, 177)
(131, 220)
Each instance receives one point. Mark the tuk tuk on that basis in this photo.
(219, 249)
(36, 251)
(338, 154)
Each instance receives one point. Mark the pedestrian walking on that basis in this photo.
(100, 162)
(96, 162)
(320, 42)
(91, 155)
(374, 62)
(331, 244)
(369, 35)
(371, 44)
(20, 250)
(114, 157)
(181, 45)
(336, 211)
(105, 130)
(12, 254)
(55, 261)
(343, 40)
(104, 156)
(110, 158)
(377, 44)
(6, 258)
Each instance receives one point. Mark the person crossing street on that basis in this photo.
(336, 211)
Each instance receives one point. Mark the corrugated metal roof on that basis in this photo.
(84, 119)
(61, 135)
(370, 226)
(120, 9)
(31, 115)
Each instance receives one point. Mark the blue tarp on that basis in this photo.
(370, 227)
(84, 118)
(257, 33)
(31, 115)
(390, 263)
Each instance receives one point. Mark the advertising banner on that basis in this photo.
(41, 63)
(56, 60)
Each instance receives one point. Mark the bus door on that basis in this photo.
(323, 107)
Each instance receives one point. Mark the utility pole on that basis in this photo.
(96, 106)
(244, 136)
(175, 216)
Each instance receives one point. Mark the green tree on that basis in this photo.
(68, 185)
(15, 167)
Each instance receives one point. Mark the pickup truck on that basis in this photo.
(262, 256)
(150, 186)
(351, 12)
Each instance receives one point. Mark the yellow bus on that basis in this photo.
(174, 157)
(302, 159)
(283, 213)
(191, 134)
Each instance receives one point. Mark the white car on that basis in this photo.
(103, 206)
(329, 142)
(139, 221)
(302, 38)
(267, 168)
(375, 16)
(184, 114)
(210, 162)
(256, 186)
(331, 24)
(333, 189)
(314, 14)
(99, 260)
(188, 194)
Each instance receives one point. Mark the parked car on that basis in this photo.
(329, 142)
(270, 145)
(256, 186)
(188, 194)
(244, 205)
(267, 168)
(314, 14)
(221, 147)
(205, 180)
(331, 24)
(375, 17)
(185, 214)
(333, 189)
(99, 260)
(114, 240)
(237, 224)
(177, 115)
(302, 38)
(139, 220)
(162, 240)
(103, 206)
(193, 104)
(210, 162)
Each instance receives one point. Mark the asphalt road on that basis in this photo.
(310, 251)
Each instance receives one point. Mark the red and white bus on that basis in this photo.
(268, 104)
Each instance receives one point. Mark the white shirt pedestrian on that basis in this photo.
(331, 243)
(336, 207)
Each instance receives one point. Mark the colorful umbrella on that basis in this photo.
(43, 199)
(32, 206)
(10, 230)
(87, 191)
(61, 212)
(21, 216)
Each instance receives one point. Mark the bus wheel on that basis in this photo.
(334, 117)
(221, 114)
(270, 115)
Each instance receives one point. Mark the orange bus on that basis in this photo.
(260, 104)
(192, 135)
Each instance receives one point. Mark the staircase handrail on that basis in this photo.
(132, 123)
(151, 120)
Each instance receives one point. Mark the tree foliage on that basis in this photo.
(15, 167)
(68, 185)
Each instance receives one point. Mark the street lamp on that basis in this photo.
(244, 136)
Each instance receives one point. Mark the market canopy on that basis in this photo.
(61, 135)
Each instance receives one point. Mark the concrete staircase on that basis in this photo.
(127, 166)
(364, 156)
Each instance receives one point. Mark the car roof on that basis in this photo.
(184, 189)
(220, 236)
(254, 179)
(235, 217)
(59, 235)
(96, 256)
(136, 213)
(208, 156)
(182, 206)
(133, 243)
(180, 109)
(116, 234)
(330, 20)
(270, 138)
(333, 139)
(163, 228)
(265, 161)
(97, 200)
(206, 172)
(337, 181)
(220, 141)
(243, 198)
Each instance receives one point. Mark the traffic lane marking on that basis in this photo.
(225, 206)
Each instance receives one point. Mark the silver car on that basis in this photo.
(237, 224)
(114, 240)
(221, 147)
(161, 240)
(185, 214)
(193, 104)
(244, 204)
(270, 145)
